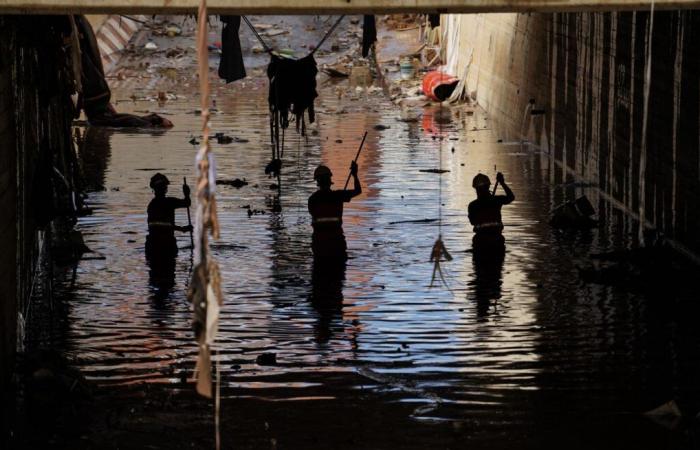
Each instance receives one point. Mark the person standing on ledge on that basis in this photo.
(326, 209)
(485, 213)
(160, 242)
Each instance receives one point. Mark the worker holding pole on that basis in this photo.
(160, 242)
(326, 209)
(485, 212)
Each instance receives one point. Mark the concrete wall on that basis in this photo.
(587, 70)
(36, 81)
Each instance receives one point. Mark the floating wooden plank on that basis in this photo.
(330, 6)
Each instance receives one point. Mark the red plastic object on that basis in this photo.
(439, 86)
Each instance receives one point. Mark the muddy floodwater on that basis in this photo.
(523, 354)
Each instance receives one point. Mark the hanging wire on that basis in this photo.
(257, 35)
(440, 163)
(328, 33)
(217, 403)
(268, 49)
(439, 250)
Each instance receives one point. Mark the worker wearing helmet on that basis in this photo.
(326, 209)
(160, 241)
(485, 211)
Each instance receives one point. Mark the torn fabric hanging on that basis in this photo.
(231, 67)
(205, 286)
(292, 90)
(369, 34)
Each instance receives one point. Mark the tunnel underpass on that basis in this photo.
(568, 340)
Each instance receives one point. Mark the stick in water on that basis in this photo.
(355, 160)
(189, 218)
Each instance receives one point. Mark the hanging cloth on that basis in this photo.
(231, 66)
(292, 90)
(369, 34)
(434, 20)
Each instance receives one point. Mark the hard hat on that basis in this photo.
(159, 180)
(322, 171)
(481, 180)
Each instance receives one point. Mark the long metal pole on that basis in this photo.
(355, 160)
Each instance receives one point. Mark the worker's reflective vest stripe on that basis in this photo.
(326, 219)
(160, 224)
(482, 226)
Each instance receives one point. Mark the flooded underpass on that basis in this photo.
(523, 354)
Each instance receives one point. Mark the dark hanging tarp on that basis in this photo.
(434, 20)
(292, 89)
(231, 66)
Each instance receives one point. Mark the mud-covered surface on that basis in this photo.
(523, 354)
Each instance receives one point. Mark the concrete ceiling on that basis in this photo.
(330, 6)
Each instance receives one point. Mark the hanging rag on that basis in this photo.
(434, 20)
(292, 89)
(231, 66)
(369, 34)
(205, 286)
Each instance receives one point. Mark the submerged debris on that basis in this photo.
(413, 221)
(273, 168)
(433, 170)
(221, 138)
(237, 183)
(667, 415)
(334, 73)
(574, 214)
(266, 359)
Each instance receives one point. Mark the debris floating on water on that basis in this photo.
(237, 183)
(413, 221)
(433, 170)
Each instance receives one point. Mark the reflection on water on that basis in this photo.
(518, 342)
(487, 281)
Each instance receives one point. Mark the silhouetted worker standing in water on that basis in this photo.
(488, 244)
(326, 208)
(485, 212)
(329, 249)
(160, 242)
